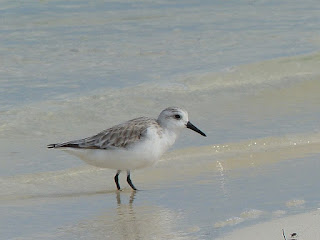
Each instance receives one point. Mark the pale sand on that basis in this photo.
(306, 226)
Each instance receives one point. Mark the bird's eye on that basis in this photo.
(177, 116)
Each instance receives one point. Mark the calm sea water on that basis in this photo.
(247, 72)
(51, 49)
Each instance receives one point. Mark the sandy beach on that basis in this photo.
(303, 226)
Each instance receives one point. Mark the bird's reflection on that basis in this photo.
(141, 221)
(132, 197)
(127, 222)
(124, 217)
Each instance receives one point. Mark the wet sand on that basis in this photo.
(194, 193)
(303, 226)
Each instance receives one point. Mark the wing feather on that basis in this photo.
(119, 136)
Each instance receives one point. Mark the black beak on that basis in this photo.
(194, 128)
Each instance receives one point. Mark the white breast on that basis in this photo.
(140, 155)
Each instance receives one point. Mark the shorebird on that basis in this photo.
(134, 144)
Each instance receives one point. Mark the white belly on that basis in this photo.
(142, 154)
(113, 159)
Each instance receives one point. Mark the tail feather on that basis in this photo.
(70, 145)
(52, 145)
(59, 145)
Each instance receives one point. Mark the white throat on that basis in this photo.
(170, 136)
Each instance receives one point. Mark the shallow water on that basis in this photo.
(247, 72)
(54, 49)
(196, 197)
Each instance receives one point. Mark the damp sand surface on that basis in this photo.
(192, 194)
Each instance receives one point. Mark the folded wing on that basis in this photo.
(119, 136)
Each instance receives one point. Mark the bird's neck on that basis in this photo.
(170, 136)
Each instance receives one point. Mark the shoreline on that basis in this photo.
(303, 226)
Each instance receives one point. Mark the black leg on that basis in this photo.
(116, 179)
(129, 181)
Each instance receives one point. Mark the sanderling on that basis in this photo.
(135, 144)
